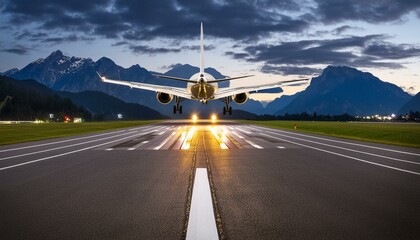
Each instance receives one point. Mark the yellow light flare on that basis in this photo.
(194, 118)
(187, 142)
(213, 118)
(218, 139)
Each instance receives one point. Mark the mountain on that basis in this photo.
(106, 107)
(347, 90)
(9, 72)
(412, 105)
(29, 100)
(74, 74)
(279, 103)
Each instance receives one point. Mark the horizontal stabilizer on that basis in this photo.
(228, 79)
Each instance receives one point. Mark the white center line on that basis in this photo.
(201, 222)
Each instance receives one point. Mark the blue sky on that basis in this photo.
(275, 40)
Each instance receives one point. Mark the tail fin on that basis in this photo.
(201, 50)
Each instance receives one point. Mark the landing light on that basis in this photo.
(213, 118)
(194, 118)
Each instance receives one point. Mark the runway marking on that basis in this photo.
(66, 146)
(67, 153)
(220, 140)
(187, 139)
(353, 150)
(253, 144)
(338, 141)
(239, 136)
(280, 147)
(201, 223)
(63, 141)
(138, 145)
(109, 149)
(73, 139)
(164, 141)
(161, 133)
(346, 156)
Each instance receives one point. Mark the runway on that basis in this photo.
(226, 180)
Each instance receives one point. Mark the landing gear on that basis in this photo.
(227, 109)
(177, 107)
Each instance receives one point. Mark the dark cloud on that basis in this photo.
(18, 49)
(372, 11)
(309, 51)
(240, 55)
(57, 40)
(289, 70)
(345, 28)
(297, 57)
(197, 48)
(145, 20)
(152, 51)
(391, 51)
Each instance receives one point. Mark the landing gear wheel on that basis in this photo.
(230, 110)
(174, 109)
(224, 110)
(180, 109)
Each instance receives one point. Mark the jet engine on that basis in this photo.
(164, 98)
(240, 98)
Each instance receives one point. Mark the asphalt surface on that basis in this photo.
(137, 183)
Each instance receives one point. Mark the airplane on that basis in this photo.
(202, 87)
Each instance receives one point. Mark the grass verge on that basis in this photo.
(400, 134)
(26, 132)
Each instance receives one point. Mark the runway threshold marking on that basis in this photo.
(253, 144)
(67, 153)
(69, 140)
(346, 156)
(201, 223)
(63, 141)
(220, 140)
(138, 145)
(66, 146)
(187, 138)
(337, 141)
(164, 141)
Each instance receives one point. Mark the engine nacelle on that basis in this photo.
(164, 98)
(240, 98)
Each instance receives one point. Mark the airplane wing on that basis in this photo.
(229, 91)
(180, 92)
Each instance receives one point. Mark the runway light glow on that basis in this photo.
(194, 118)
(213, 118)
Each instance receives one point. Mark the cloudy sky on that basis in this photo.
(273, 39)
